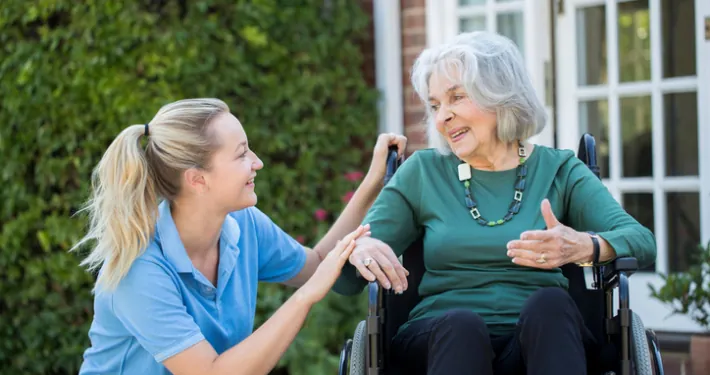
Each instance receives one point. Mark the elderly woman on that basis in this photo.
(498, 216)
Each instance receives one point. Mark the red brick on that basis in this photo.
(413, 18)
(413, 3)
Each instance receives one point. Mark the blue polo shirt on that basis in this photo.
(165, 305)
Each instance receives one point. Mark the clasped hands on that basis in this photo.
(545, 249)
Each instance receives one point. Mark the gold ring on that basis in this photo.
(542, 259)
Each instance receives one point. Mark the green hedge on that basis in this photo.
(75, 73)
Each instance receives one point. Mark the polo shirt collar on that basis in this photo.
(175, 252)
(170, 242)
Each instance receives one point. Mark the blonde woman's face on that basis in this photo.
(230, 179)
(463, 124)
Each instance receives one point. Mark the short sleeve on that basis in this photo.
(280, 256)
(393, 219)
(591, 207)
(149, 305)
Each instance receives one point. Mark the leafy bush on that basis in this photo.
(76, 73)
(688, 293)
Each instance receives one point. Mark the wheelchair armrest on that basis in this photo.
(611, 271)
(617, 273)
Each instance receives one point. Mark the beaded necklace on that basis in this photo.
(522, 171)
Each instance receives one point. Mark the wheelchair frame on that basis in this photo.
(387, 311)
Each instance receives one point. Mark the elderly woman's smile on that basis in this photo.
(457, 134)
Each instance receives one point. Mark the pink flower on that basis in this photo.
(354, 176)
(321, 214)
(348, 196)
(300, 239)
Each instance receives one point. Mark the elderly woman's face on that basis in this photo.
(463, 124)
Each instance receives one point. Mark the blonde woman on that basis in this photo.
(181, 248)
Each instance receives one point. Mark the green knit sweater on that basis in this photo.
(466, 263)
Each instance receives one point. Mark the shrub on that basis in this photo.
(76, 73)
(688, 293)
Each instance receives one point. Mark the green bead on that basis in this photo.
(466, 184)
(491, 223)
(522, 160)
(500, 221)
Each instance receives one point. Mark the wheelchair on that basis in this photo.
(627, 348)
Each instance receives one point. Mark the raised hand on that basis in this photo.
(550, 248)
(379, 155)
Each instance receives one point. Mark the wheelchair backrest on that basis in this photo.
(590, 302)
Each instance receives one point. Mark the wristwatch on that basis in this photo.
(596, 247)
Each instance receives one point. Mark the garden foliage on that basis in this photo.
(73, 74)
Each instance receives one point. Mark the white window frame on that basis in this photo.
(569, 95)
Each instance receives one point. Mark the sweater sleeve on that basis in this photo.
(393, 219)
(591, 207)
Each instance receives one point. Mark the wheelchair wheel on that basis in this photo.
(357, 353)
(640, 353)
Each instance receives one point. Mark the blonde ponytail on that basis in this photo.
(128, 182)
(122, 209)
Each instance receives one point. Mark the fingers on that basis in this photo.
(361, 231)
(547, 214)
(402, 272)
(364, 271)
(538, 235)
(389, 271)
(391, 139)
(345, 254)
(534, 264)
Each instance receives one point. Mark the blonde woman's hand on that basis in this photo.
(329, 269)
(379, 155)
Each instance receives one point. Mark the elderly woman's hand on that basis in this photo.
(551, 248)
(375, 260)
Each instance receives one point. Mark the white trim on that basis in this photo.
(388, 65)
(660, 211)
(665, 86)
(702, 50)
(441, 21)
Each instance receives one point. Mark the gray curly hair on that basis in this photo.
(491, 70)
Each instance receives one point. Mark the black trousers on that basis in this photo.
(550, 338)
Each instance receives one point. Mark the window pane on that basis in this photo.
(683, 230)
(593, 119)
(511, 25)
(678, 33)
(636, 148)
(634, 41)
(640, 206)
(472, 2)
(476, 23)
(681, 133)
(591, 46)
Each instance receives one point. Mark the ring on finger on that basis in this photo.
(541, 260)
(366, 262)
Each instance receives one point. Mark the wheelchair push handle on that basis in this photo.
(393, 163)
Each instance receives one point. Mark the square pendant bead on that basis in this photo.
(475, 213)
(464, 172)
(522, 152)
(518, 196)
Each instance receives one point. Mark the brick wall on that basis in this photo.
(413, 42)
(368, 46)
